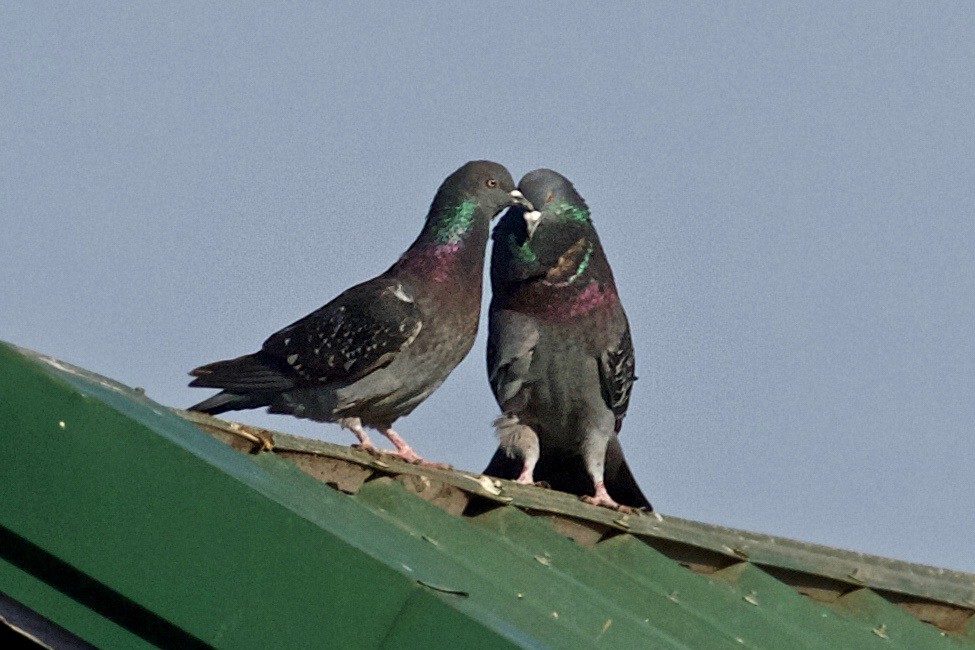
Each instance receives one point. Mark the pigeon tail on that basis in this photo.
(503, 465)
(619, 480)
(244, 375)
(248, 382)
(224, 401)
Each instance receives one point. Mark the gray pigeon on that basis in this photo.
(560, 357)
(375, 352)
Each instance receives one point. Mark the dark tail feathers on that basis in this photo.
(248, 382)
(251, 373)
(620, 482)
(224, 401)
(503, 466)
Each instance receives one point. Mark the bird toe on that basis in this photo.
(604, 502)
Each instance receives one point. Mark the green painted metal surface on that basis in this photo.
(854, 569)
(129, 526)
(180, 540)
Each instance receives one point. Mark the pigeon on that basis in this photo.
(560, 356)
(374, 353)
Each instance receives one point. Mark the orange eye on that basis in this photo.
(492, 183)
(551, 196)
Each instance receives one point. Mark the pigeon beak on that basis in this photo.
(532, 217)
(518, 199)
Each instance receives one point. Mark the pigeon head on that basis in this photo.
(556, 242)
(554, 197)
(468, 200)
(486, 184)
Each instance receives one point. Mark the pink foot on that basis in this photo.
(367, 447)
(526, 477)
(404, 451)
(603, 499)
(411, 456)
(429, 463)
(355, 426)
(529, 480)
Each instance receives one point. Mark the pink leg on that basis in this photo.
(519, 440)
(355, 426)
(603, 499)
(405, 451)
(595, 458)
(402, 447)
(526, 477)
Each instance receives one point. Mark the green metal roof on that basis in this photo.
(126, 524)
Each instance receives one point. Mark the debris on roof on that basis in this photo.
(123, 523)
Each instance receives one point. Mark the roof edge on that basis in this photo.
(851, 568)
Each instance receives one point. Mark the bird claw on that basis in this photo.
(606, 502)
(526, 479)
(369, 448)
(405, 452)
(427, 463)
(602, 499)
(406, 455)
(410, 456)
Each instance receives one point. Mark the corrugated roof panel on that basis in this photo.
(722, 603)
(886, 622)
(168, 535)
(178, 539)
(765, 592)
(547, 597)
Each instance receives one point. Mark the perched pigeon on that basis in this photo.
(560, 357)
(379, 349)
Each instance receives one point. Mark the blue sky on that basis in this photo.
(787, 196)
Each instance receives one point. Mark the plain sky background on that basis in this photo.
(787, 195)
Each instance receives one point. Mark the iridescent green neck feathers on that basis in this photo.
(569, 212)
(454, 223)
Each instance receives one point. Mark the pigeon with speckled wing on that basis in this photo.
(560, 356)
(379, 349)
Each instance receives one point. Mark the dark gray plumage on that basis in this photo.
(560, 356)
(379, 349)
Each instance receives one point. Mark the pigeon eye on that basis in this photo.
(492, 183)
(550, 198)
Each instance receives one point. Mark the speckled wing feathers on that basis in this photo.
(616, 376)
(355, 334)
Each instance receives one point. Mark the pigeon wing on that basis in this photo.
(362, 330)
(617, 372)
(511, 342)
